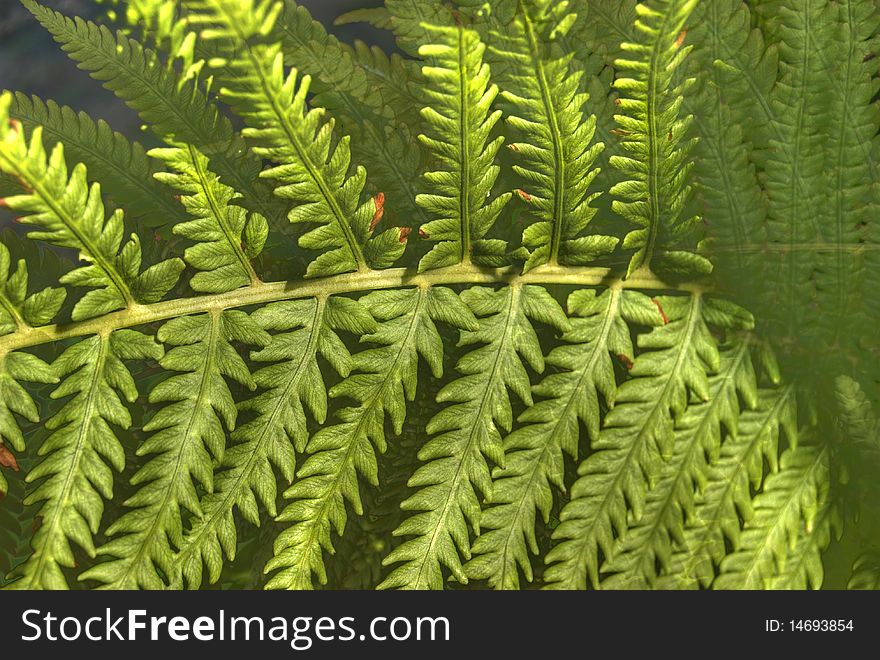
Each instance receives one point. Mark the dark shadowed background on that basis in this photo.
(31, 62)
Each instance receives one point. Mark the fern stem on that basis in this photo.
(391, 278)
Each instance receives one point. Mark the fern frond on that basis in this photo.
(74, 476)
(172, 109)
(16, 368)
(18, 309)
(161, 23)
(787, 506)
(652, 538)
(857, 417)
(459, 121)
(569, 398)
(122, 166)
(70, 214)
(656, 164)
(726, 496)
(312, 170)
(227, 237)
(291, 384)
(186, 437)
(842, 277)
(13, 523)
(373, 97)
(643, 438)
(557, 149)
(384, 379)
(468, 431)
(637, 437)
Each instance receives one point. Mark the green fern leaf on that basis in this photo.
(614, 22)
(70, 214)
(656, 165)
(789, 504)
(74, 476)
(313, 172)
(221, 253)
(173, 109)
(557, 147)
(727, 495)
(803, 567)
(637, 438)
(652, 539)
(866, 572)
(460, 121)
(19, 310)
(411, 21)
(122, 166)
(292, 384)
(384, 379)
(186, 436)
(468, 431)
(378, 17)
(726, 110)
(534, 452)
(374, 99)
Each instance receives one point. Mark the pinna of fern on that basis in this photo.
(674, 411)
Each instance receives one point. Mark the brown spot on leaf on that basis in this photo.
(7, 459)
(404, 233)
(680, 39)
(3, 202)
(379, 206)
(620, 132)
(423, 233)
(625, 361)
(523, 195)
(660, 309)
(16, 125)
(177, 198)
(513, 147)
